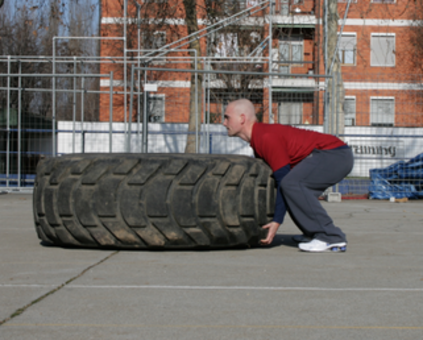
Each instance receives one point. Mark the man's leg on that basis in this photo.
(306, 182)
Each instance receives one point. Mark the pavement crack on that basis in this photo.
(19, 311)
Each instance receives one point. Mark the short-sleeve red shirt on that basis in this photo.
(279, 145)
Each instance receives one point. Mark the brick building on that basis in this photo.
(381, 83)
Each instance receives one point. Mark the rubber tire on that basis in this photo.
(153, 201)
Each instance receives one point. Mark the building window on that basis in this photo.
(156, 108)
(382, 111)
(349, 111)
(251, 3)
(347, 48)
(286, 6)
(226, 45)
(382, 50)
(153, 41)
(290, 54)
(290, 113)
(231, 7)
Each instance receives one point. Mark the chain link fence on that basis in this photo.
(380, 118)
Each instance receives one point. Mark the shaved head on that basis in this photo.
(239, 119)
(243, 106)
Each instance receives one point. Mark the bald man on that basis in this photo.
(304, 163)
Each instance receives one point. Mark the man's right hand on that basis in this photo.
(273, 228)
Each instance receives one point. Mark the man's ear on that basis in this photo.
(243, 119)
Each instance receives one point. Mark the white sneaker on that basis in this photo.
(301, 238)
(320, 246)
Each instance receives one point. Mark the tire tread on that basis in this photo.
(152, 201)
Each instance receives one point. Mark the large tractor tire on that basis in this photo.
(152, 201)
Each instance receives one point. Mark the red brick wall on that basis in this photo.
(408, 106)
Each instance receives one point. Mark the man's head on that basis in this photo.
(239, 119)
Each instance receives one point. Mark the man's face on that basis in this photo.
(232, 122)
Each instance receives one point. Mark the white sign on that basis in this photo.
(377, 148)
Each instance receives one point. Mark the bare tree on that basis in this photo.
(79, 23)
(192, 26)
(333, 66)
(20, 37)
(155, 21)
(29, 31)
(235, 48)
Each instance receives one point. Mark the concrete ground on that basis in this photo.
(373, 291)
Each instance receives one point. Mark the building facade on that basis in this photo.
(380, 84)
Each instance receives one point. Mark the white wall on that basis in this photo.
(373, 151)
(369, 148)
(162, 138)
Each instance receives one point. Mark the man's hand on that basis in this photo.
(273, 228)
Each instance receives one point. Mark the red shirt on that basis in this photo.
(279, 145)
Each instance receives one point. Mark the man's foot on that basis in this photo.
(318, 246)
(301, 238)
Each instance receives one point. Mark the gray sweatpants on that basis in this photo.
(303, 185)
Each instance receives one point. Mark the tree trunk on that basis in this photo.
(194, 115)
(335, 119)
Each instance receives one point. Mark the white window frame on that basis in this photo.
(290, 43)
(287, 4)
(371, 113)
(371, 49)
(226, 45)
(159, 95)
(351, 34)
(355, 110)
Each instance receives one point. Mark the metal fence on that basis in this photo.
(384, 127)
(381, 119)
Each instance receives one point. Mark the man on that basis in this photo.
(304, 163)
